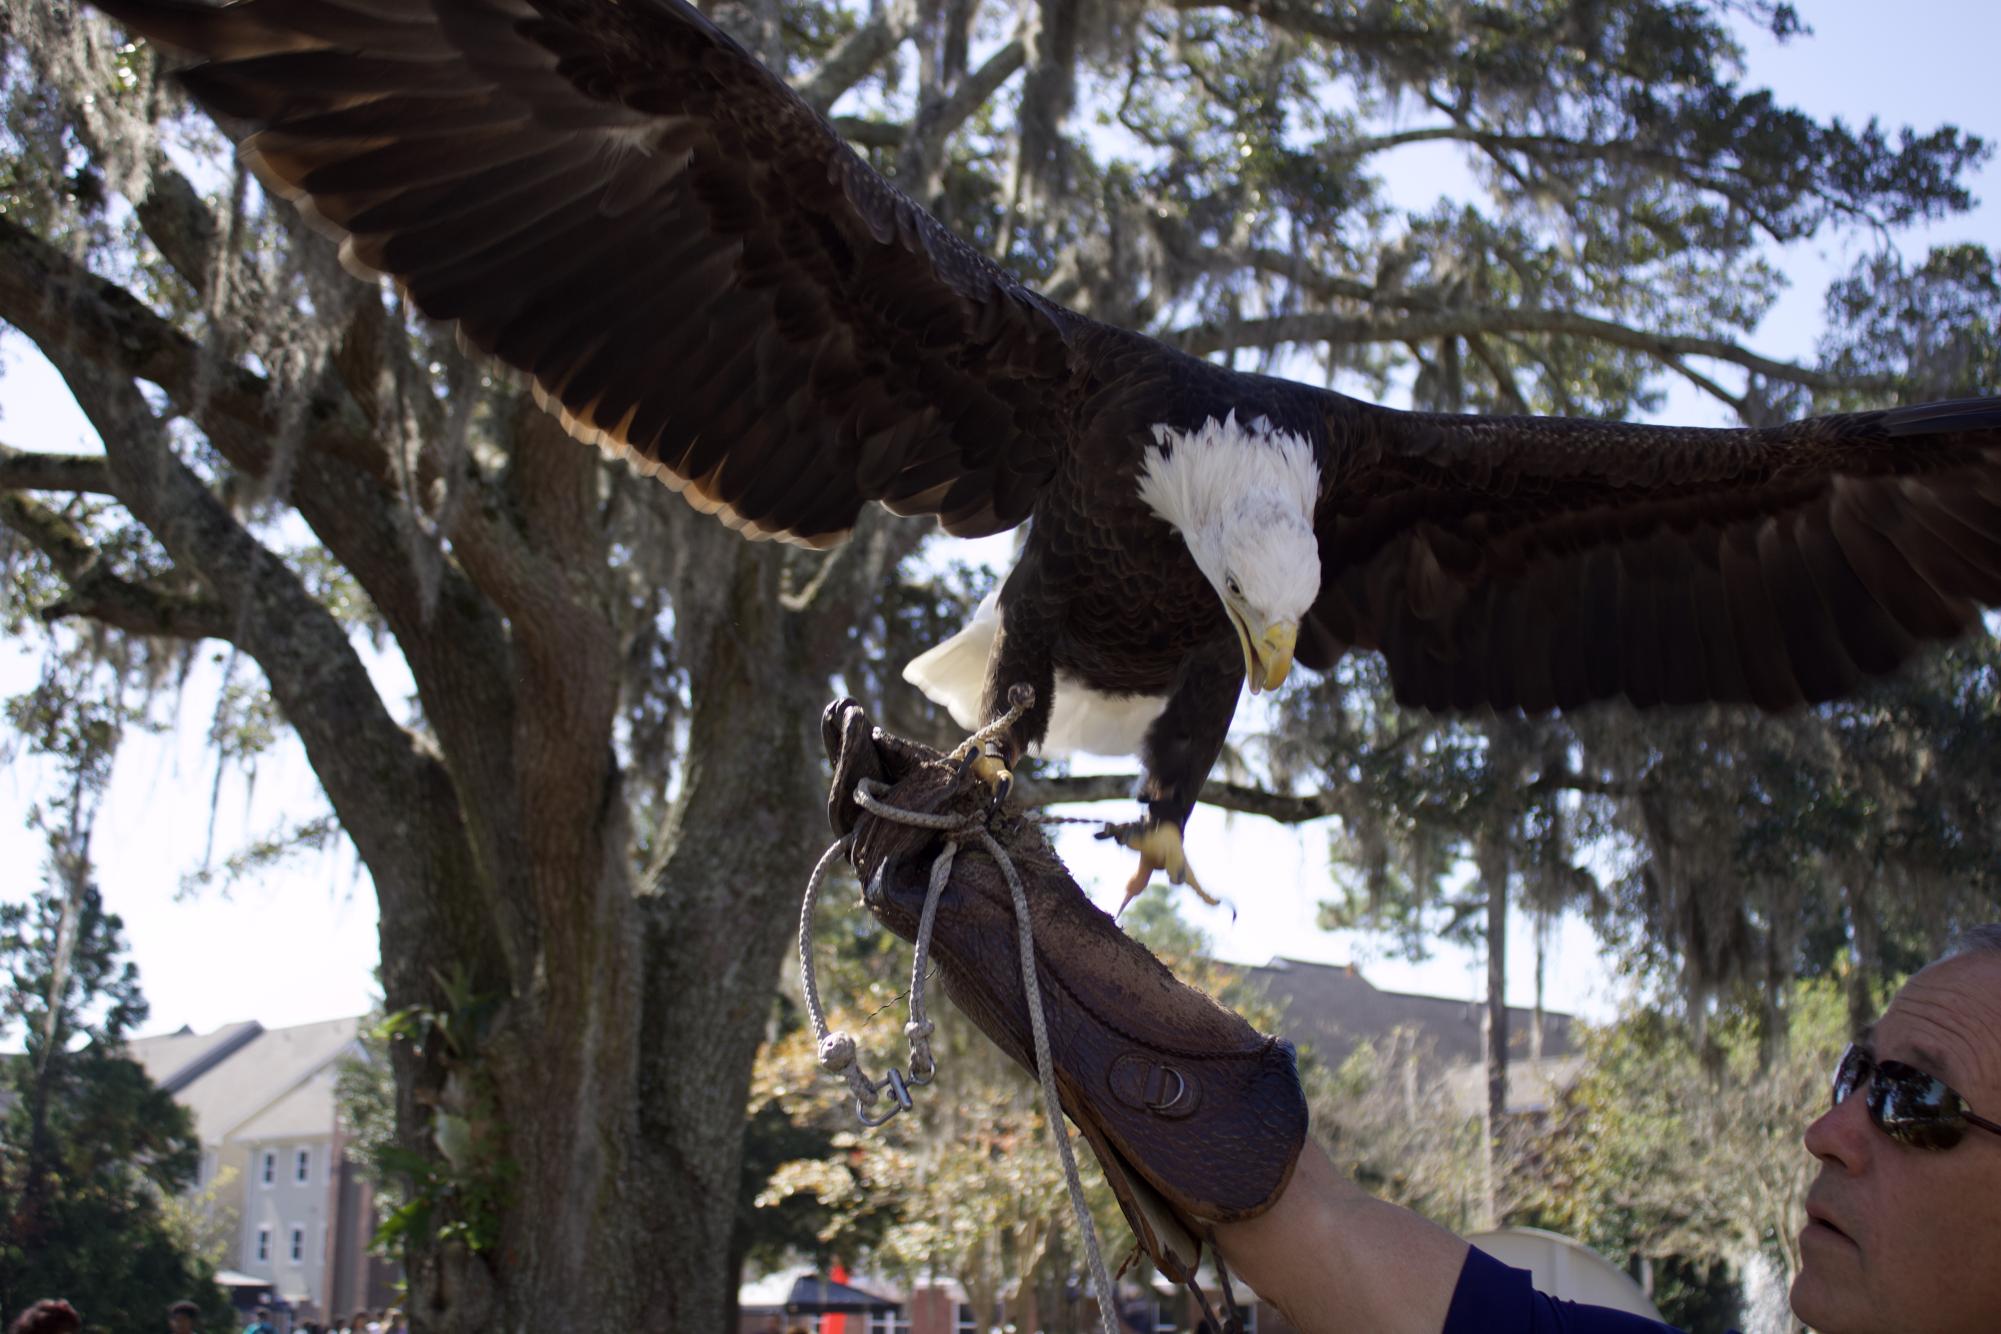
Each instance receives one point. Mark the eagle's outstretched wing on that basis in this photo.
(1538, 563)
(693, 269)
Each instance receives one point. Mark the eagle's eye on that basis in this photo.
(1230, 582)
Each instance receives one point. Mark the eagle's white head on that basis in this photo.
(1242, 496)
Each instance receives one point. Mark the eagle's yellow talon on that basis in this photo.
(987, 768)
(1160, 849)
(992, 771)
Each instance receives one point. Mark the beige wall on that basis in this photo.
(285, 1203)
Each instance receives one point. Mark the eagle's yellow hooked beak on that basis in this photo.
(1267, 658)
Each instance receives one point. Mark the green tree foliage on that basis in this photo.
(1388, 1119)
(1688, 1152)
(966, 1184)
(91, 1151)
(1725, 852)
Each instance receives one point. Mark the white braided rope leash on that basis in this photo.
(837, 1049)
(1045, 1069)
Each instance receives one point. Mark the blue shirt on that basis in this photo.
(1493, 1299)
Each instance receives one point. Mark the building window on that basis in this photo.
(298, 1243)
(264, 1245)
(302, 1166)
(888, 1322)
(267, 1171)
(962, 1320)
(1163, 1316)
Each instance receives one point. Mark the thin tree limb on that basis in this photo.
(34, 470)
(1318, 21)
(865, 48)
(870, 133)
(57, 303)
(371, 768)
(1248, 799)
(924, 144)
(1327, 327)
(95, 592)
(1240, 797)
(1735, 402)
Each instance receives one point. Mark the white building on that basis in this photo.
(264, 1110)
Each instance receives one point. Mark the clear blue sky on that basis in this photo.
(300, 945)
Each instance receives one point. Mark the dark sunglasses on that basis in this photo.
(1908, 1105)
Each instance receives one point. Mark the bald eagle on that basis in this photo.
(697, 274)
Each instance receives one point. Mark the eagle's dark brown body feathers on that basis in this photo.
(693, 270)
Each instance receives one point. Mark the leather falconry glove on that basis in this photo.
(1195, 1116)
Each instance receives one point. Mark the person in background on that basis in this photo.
(260, 1322)
(181, 1317)
(48, 1316)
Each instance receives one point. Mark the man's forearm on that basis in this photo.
(1333, 1257)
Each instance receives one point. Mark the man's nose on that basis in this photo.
(1842, 1136)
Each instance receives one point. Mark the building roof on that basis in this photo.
(229, 1077)
(301, 1113)
(175, 1060)
(1331, 1009)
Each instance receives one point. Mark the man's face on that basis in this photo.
(181, 1324)
(1901, 1239)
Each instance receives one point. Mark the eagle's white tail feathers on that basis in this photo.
(1087, 720)
(954, 674)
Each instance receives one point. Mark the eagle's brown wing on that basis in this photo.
(1537, 563)
(621, 202)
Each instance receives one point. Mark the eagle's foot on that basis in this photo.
(988, 767)
(1159, 846)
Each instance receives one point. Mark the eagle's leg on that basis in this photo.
(1019, 657)
(987, 766)
(1177, 754)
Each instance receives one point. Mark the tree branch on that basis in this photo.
(870, 133)
(371, 768)
(50, 534)
(1317, 21)
(865, 48)
(1239, 797)
(95, 592)
(56, 302)
(1735, 402)
(937, 123)
(1247, 799)
(33, 470)
(455, 643)
(1327, 327)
